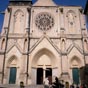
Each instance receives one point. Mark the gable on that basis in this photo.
(45, 43)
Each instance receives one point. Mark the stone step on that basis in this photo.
(35, 86)
(17, 86)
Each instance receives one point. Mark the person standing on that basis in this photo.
(46, 83)
(56, 84)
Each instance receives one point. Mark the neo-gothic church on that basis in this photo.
(43, 40)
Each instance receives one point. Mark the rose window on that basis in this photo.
(44, 21)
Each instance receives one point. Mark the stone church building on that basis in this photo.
(42, 40)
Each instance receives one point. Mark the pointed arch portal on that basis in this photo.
(12, 63)
(43, 62)
(75, 64)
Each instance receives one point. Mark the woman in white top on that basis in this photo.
(46, 83)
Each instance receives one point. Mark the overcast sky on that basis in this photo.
(4, 4)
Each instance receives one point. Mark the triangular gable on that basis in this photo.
(15, 45)
(76, 46)
(48, 41)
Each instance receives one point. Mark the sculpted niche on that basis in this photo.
(18, 21)
(71, 20)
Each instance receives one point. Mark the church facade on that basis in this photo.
(42, 40)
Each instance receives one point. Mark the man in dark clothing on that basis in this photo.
(56, 84)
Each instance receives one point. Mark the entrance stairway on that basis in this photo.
(17, 86)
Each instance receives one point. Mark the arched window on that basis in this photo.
(25, 45)
(63, 45)
(3, 44)
(18, 21)
(71, 20)
(85, 45)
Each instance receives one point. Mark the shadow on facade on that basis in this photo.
(84, 74)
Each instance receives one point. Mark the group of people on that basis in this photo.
(55, 84)
(58, 84)
(76, 86)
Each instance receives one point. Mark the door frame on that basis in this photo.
(76, 75)
(10, 74)
(47, 74)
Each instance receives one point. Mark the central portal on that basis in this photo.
(48, 73)
(40, 75)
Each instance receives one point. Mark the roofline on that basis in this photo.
(20, 0)
(57, 6)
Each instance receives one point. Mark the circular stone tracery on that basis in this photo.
(44, 21)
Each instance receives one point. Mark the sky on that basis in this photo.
(4, 4)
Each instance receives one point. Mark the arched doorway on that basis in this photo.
(42, 66)
(40, 75)
(12, 64)
(75, 65)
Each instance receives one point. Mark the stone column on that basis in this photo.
(44, 72)
(65, 74)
